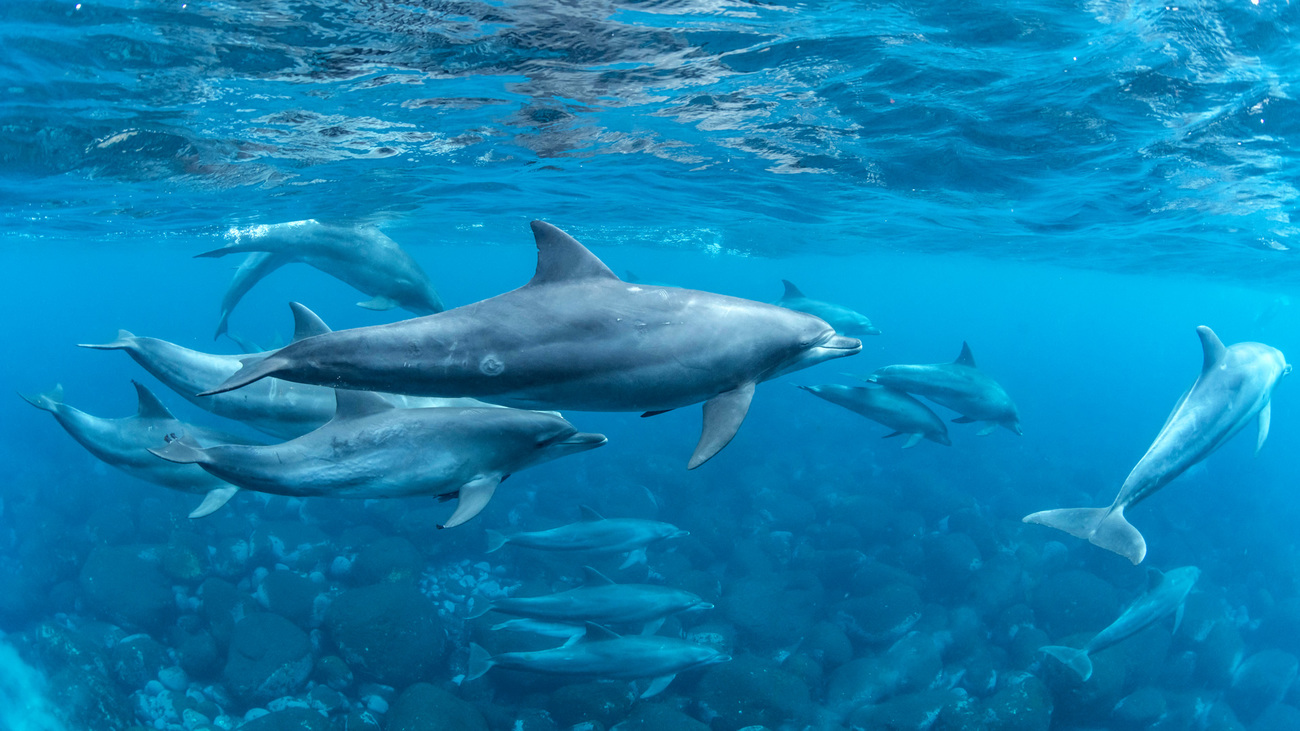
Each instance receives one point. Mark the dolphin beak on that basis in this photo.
(581, 442)
(841, 342)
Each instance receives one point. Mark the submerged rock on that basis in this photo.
(387, 560)
(749, 691)
(289, 719)
(423, 707)
(881, 616)
(1260, 681)
(1075, 601)
(658, 717)
(137, 660)
(269, 658)
(289, 595)
(603, 703)
(125, 589)
(904, 713)
(388, 633)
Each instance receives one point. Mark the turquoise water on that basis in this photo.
(1071, 189)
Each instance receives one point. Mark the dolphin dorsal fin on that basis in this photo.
(599, 633)
(592, 577)
(589, 515)
(1154, 577)
(150, 407)
(1213, 347)
(561, 258)
(355, 404)
(965, 358)
(791, 291)
(306, 324)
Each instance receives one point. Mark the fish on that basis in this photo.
(594, 532)
(891, 407)
(844, 320)
(960, 386)
(1235, 386)
(574, 338)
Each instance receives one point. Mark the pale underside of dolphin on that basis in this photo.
(1235, 386)
(574, 338)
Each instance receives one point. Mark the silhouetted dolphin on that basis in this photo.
(1165, 595)
(1235, 385)
(371, 449)
(361, 256)
(594, 533)
(893, 408)
(958, 385)
(575, 337)
(844, 320)
(125, 443)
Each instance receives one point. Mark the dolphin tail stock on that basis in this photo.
(253, 368)
(124, 341)
(479, 662)
(213, 501)
(48, 401)
(1076, 660)
(495, 540)
(1102, 527)
(182, 449)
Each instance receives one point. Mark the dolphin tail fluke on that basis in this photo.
(479, 608)
(1103, 527)
(255, 368)
(495, 540)
(214, 501)
(124, 340)
(1076, 660)
(479, 662)
(48, 401)
(182, 450)
(723, 415)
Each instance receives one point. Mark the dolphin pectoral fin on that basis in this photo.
(213, 501)
(253, 368)
(893, 434)
(1076, 660)
(657, 685)
(964, 420)
(379, 304)
(1178, 617)
(648, 414)
(912, 440)
(1103, 527)
(474, 496)
(653, 626)
(124, 340)
(181, 450)
(723, 415)
(987, 429)
(1265, 415)
(633, 558)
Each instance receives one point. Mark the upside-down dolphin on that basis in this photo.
(280, 408)
(574, 338)
(844, 320)
(594, 533)
(125, 443)
(360, 256)
(958, 385)
(371, 449)
(893, 408)
(1236, 385)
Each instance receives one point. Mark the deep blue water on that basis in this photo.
(1070, 188)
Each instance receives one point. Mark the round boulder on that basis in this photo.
(387, 633)
(423, 707)
(269, 658)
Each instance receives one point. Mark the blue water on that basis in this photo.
(1071, 189)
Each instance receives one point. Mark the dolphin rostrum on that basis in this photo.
(844, 320)
(605, 654)
(594, 533)
(1165, 595)
(958, 385)
(125, 443)
(1236, 385)
(280, 408)
(360, 256)
(371, 449)
(574, 338)
(893, 408)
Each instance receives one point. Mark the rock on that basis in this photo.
(332, 671)
(388, 633)
(749, 691)
(185, 558)
(199, 655)
(137, 660)
(774, 610)
(905, 712)
(603, 703)
(125, 589)
(828, 643)
(174, 678)
(951, 559)
(1219, 653)
(423, 707)
(269, 657)
(289, 719)
(1281, 627)
(909, 666)
(1075, 601)
(1140, 709)
(881, 616)
(357, 721)
(1024, 704)
(326, 700)
(659, 717)
(223, 606)
(1260, 681)
(388, 560)
(1277, 717)
(289, 595)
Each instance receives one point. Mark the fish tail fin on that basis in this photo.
(181, 450)
(1103, 527)
(495, 540)
(1076, 660)
(48, 401)
(479, 662)
(253, 368)
(124, 341)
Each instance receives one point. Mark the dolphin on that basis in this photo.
(958, 385)
(601, 601)
(605, 654)
(360, 256)
(124, 443)
(279, 408)
(893, 408)
(1236, 385)
(594, 533)
(844, 320)
(1165, 594)
(575, 337)
(372, 449)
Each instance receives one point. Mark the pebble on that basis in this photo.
(376, 704)
(174, 678)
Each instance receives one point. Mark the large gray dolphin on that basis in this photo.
(1165, 595)
(1236, 385)
(361, 256)
(958, 385)
(844, 320)
(893, 408)
(125, 443)
(280, 408)
(574, 338)
(594, 533)
(371, 449)
(605, 655)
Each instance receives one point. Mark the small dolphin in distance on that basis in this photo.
(360, 256)
(124, 443)
(1165, 595)
(605, 654)
(371, 449)
(574, 338)
(1236, 385)
(958, 385)
(893, 408)
(844, 320)
(594, 533)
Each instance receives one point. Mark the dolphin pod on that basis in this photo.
(844, 320)
(360, 256)
(575, 337)
(960, 386)
(1236, 385)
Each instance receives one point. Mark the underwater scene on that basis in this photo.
(649, 365)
